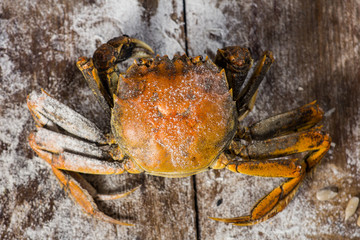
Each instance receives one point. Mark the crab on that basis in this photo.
(176, 118)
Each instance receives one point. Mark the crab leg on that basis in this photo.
(271, 204)
(279, 197)
(288, 168)
(73, 183)
(68, 155)
(46, 109)
(75, 162)
(65, 166)
(314, 141)
(55, 142)
(310, 140)
(247, 96)
(304, 138)
(296, 120)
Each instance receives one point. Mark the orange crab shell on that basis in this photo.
(173, 117)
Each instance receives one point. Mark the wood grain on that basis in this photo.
(317, 50)
(316, 46)
(43, 42)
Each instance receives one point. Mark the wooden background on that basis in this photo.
(317, 50)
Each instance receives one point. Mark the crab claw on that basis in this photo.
(140, 49)
(119, 49)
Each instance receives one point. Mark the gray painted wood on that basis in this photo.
(316, 45)
(40, 45)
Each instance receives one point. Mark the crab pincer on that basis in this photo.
(101, 71)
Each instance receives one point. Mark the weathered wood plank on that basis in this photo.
(39, 44)
(316, 45)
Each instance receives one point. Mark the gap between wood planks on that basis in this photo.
(197, 225)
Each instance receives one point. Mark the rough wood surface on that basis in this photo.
(316, 45)
(317, 50)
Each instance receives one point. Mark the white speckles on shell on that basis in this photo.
(351, 207)
(326, 193)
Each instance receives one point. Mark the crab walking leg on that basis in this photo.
(92, 191)
(271, 204)
(114, 196)
(312, 140)
(278, 198)
(56, 142)
(247, 96)
(288, 168)
(43, 106)
(68, 153)
(54, 148)
(73, 184)
(78, 163)
(296, 120)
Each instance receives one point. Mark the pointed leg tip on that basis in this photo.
(239, 221)
(103, 217)
(124, 224)
(106, 197)
(226, 220)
